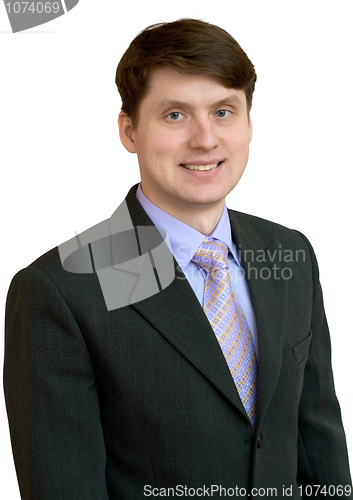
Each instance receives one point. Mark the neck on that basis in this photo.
(204, 218)
(204, 221)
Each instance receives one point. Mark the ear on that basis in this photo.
(126, 132)
(250, 127)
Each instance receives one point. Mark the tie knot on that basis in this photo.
(211, 255)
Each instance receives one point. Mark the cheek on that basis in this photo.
(156, 144)
(239, 140)
(167, 145)
(240, 137)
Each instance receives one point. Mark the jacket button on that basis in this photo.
(259, 440)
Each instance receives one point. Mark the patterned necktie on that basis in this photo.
(228, 321)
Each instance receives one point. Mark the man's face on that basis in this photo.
(192, 141)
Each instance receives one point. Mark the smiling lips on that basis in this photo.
(202, 167)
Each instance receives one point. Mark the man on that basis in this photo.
(127, 376)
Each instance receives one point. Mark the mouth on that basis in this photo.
(201, 167)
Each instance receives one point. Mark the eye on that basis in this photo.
(222, 113)
(175, 115)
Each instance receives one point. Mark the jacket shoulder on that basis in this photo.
(53, 263)
(267, 231)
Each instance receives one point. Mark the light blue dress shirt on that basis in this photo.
(183, 241)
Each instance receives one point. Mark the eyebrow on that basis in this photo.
(172, 103)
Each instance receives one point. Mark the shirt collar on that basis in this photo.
(183, 240)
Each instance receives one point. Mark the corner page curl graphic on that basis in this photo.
(132, 263)
(25, 15)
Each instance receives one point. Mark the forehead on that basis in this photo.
(167, 86)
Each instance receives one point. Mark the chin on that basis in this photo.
(209, 197)
(204, 200)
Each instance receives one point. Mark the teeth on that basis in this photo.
(202, 167)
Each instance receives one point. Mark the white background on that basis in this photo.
(63, 168)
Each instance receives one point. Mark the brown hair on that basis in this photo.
(189, 46)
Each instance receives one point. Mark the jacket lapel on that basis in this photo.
(177, 314)
(269, 300)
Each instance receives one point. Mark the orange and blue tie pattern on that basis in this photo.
(228, 321)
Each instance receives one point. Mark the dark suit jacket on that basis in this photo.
(103, 403)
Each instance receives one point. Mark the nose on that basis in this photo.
(202, 135)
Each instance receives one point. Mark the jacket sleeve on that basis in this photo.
(322, 449)
(51, 397)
